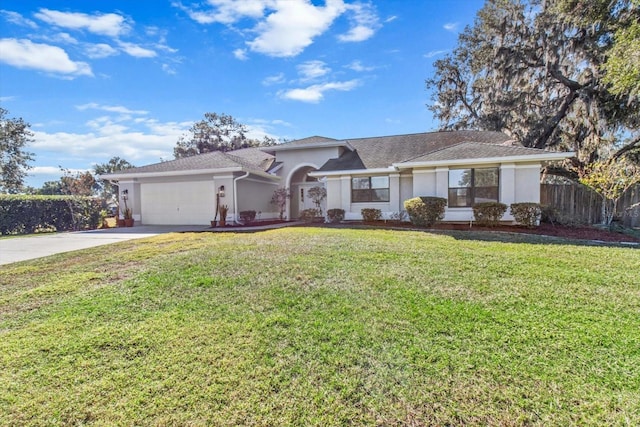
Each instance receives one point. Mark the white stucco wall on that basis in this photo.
(527, 177)
(256, 195)
(518, 183)
(294, 159)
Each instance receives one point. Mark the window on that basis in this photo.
(370, 189)
(470, 186)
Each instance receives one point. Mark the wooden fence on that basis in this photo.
(583, 205)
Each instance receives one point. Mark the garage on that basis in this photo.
(177, 203)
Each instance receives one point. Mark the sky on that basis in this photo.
(99, 79)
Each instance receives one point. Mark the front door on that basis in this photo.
(306, 202)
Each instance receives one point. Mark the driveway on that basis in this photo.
(16, 249)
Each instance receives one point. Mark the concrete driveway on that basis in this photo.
(29, 247)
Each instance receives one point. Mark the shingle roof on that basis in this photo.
(383, 151)
(475, 150)
(251, 159)
(360, 153)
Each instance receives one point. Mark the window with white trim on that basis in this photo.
(470, 186)
(370, 189)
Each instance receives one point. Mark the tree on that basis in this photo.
(14, 160)
(51, 188)
(317, 194)
(611, 179)
(279, 199)
(107, 190)
(523, 68)
(622, 67)
(217, 132)
(78, 184)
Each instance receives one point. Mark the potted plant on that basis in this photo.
(128, 217)
(223, 209)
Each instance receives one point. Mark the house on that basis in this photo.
(465, 167)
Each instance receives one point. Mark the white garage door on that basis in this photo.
(177, 203)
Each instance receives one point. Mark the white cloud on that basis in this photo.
(226, 11)
(145, 141)
(108, 24)
(23, 53)
(64, 38)
(273, 80)
(311, 70)
(169, 69)
(240, 54)
(17, 19)
(7, 98)
(136, 50)
(110, 108)
(315, 93)
(391, 19)
(451, 26)
(364, 23)
(357, 66)
(286, 27)
(293, 26)
(259, 128)
(47, 170)
(99, 50)
(433, 53)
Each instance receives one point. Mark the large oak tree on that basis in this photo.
(216, 132)
(527, 68)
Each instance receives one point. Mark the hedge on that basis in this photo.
(29, 214)
(425, 211)
(370, 214)
(489, 213)
(527, 214)
(335, 215)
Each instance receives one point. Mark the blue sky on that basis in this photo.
(98, 79)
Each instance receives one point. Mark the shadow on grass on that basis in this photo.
(494, 236)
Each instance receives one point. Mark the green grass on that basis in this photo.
(318, 326)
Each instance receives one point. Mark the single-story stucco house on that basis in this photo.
(464, 167)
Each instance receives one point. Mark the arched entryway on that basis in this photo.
(300, 183)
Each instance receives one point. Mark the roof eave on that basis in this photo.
(353, 172)
(117, 176)
(546, 157)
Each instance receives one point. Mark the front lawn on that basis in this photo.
(320, 326)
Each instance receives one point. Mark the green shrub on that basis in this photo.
(489, 213)
(370, 214)
(527, 214)
(29, 214)
(425, 211)
(551, 215)
(309, 215)
(247, 216)
(335, 215)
